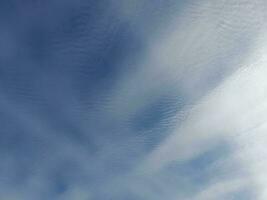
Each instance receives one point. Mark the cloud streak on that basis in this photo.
(120, 100)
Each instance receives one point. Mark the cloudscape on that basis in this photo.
(133, 100)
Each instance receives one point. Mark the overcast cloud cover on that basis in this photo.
(133, 100)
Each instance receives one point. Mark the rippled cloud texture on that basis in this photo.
(133, 100)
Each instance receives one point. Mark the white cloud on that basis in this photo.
(208, 44)
(236, 111)
(213, 52)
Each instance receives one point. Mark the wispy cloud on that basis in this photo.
(235, 112)
(118, 105)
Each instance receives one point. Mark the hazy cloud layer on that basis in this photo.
(133, 100)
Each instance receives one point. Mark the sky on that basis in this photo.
(133, 100)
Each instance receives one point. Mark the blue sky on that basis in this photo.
(133, 100)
